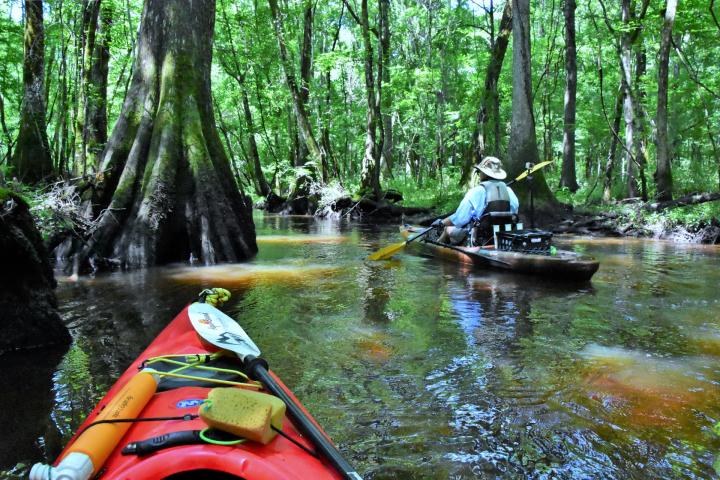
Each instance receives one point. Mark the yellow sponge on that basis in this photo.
(244, 413)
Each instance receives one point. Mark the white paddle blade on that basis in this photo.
(222, 331)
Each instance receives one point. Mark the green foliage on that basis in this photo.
(442, 193)
(439, 53)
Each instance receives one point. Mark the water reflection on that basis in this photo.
(419, 368)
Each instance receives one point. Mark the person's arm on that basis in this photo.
(462, 215)
(514, 202)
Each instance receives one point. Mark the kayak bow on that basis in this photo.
(147, 426)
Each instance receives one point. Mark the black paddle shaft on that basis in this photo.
(257, 369)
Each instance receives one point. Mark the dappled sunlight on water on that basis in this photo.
(420, 368)
(637, 389)
(295, 239)
(246, 275)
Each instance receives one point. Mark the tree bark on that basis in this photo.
(386, 140)
(6, 132)
(522, 148)
(663, 174)
(369, 180)
(641, 150)
(165, 188)
(567, 178)
(306, 53)
(628, 102)
(301, 116)
(27, 298)
(487, 118)
(612, 152)
(90, 15)
(96, 106)
(32, 159)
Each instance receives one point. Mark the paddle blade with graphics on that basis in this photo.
(220, 330)
(215, 327)
(530, 171)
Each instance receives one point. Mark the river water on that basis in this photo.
(418, 368)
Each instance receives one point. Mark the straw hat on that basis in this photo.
(492, 167)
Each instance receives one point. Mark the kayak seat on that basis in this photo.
(484, 230)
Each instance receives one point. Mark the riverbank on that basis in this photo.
(682, 224)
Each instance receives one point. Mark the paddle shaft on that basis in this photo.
(421, 234)
(257, 369)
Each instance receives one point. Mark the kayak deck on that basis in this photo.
(564, 265)
(279, 459)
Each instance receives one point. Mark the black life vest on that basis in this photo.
(497, 198)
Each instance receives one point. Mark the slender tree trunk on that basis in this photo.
(567, 178)
(306, 54)
(612, 152)
(488, 116)
(237, 73)
(32, 159)
(328, 104)
(263, 185)
(663, 175)
(641, 150)
(6, 132)
(95, 135)
(522, 148)
(368, 178)
(166, 191)
(90, 15)
(386, 140)
(301, 116)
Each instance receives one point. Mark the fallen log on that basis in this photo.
(692, 199)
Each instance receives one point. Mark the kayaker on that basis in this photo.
(492, 195)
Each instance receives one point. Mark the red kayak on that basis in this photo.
(147, 425)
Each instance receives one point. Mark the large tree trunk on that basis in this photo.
(522, 148)
(31, 159)
(27, 300)
(488, 116)
(567, 178)
(165, 186)
(369, 178)
(663, 175)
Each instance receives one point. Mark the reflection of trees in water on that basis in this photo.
(26, 402)
(377, 281)
(499, 391)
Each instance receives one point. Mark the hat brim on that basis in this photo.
(496, 174)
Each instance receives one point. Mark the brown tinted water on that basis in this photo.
(422, 369)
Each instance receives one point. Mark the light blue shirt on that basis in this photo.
(473, 206)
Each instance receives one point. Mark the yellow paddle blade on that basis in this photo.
(533, 170)
(387, 252)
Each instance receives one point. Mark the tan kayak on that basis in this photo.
(563, 265)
